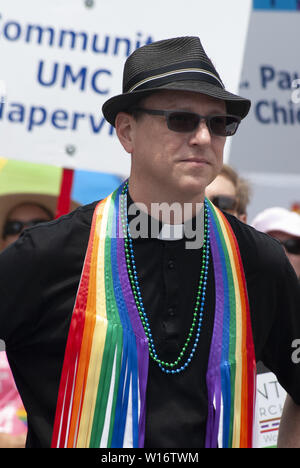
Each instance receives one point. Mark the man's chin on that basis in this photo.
(192, 187)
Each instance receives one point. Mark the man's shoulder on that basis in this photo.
(74, 222)
(81, 216)
(259, 251)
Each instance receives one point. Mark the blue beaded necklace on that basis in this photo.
(179, 364)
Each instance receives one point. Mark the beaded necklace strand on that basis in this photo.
(178, 365)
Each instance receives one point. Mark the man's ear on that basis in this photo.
(124, 128)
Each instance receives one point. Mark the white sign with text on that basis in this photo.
(61, 60)
(270, 398)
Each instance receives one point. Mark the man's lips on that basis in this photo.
(195, 161)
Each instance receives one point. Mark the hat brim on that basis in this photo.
(290, 230)
(278, 219)
(9, 201)
(235, 104)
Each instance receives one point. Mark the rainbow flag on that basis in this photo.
(102, 394)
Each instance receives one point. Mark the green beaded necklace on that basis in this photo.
(176, 366)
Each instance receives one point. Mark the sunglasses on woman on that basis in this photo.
(185, 122)
(292, 245)
(15, 227)
(224, 202)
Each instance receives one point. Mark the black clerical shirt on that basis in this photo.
(39, 277)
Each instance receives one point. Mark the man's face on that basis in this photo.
(178, 166)
(293, 258)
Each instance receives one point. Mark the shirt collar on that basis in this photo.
(144, 226)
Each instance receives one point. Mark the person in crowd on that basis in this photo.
(283, 225)
(21, 216)
(12, 414)
(124, 340)
(26, 213)
(230, 193)
(13, 427)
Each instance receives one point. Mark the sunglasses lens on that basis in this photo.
(183, 121)
(292, 246)
(12, 228)
(224, 125)
(224, 203)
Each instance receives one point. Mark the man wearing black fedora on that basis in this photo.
(124, 336)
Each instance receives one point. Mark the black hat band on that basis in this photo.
(176, 75)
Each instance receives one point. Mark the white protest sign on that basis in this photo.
(266, 147)
(62, 59)
(270, 398)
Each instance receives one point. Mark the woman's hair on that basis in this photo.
(242, 187)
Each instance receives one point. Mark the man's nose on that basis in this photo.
(202, 135)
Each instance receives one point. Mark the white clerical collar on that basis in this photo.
(171, 232)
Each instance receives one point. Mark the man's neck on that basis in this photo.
(170, 208)
(166, 222)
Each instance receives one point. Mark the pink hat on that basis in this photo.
(278, 219)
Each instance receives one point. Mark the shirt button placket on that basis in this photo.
(170, 322)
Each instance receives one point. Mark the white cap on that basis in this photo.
(278, 219)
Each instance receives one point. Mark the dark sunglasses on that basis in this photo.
(15, 227)
(224, 202)
(184, 122)
(291, 245)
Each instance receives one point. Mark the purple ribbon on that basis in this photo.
(141, 339)
(213, 377)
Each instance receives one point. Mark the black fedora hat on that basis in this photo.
(178, 64)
